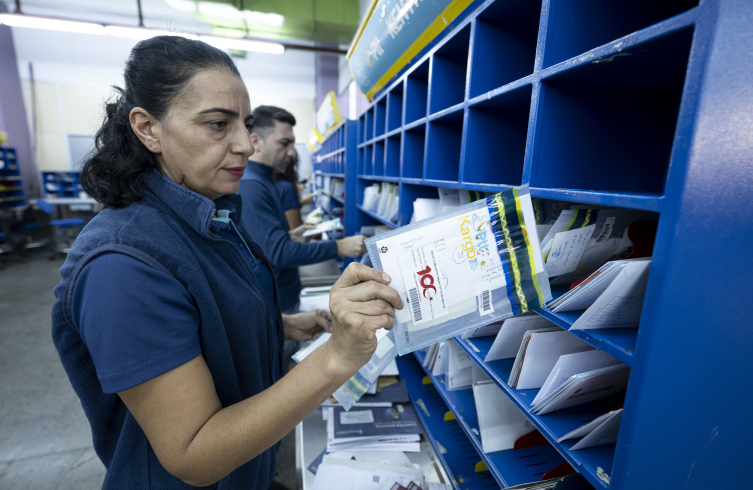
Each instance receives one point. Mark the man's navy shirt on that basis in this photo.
(269, 228)
(288, 195)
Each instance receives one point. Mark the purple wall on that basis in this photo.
(12, 111)
(326, 76)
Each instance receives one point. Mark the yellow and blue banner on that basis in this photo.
(392, 34)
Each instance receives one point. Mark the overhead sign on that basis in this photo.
(392, 34)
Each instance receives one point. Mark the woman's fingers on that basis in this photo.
(356, 273)
(373, 290)
(374, 307)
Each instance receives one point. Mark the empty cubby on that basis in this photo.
(443, 148)
(392, 157)
(413, 152)
(416, 93)
(368, 126)
(496, 138)
(368, 162)
(379, 158)
(359, 169)
(582, 25)
(395, 108)
(448, 72)
(380, 119)
(504, 45)
(611, 125)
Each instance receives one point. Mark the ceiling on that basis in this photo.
(319, 21)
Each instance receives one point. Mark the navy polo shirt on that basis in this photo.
(145, 323)
(148, 287)
(268, 227)
(288, 195)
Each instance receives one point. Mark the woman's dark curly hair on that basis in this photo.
(157, 71)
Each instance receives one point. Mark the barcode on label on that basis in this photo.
(484, 295)
(606, 231)
(486, 304)
(414, 304)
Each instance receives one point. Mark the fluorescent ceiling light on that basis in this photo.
(141, 33)
(187, 6)
(244, 44)
(52, 24)
(220, 11)
(274, 20)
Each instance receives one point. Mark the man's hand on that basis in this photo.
(297, 234)
(361, 303)
(351, 246)
(306, 326)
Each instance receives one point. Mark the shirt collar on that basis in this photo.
(259, 169)
(196, 210)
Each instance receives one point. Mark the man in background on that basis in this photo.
(263, 217)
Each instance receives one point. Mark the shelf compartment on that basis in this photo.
(395, 108)
(496, 138)
(581, 25)
(510, 467)
(392, 156)
(379, 158)
(377, 217)
(456, 452)
(380, 117)
(444, 136)
(610, 126)
(368, 159)
(368, 127)
(417, 93)
(504, 45)
(617, 342)
(449, 68)
(408, 194)
(552, 425)
(413, 152)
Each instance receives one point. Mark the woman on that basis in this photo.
(286, 181)
(167, 319)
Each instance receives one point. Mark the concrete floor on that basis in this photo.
(45, 440)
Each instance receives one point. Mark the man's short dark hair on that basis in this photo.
(265, 117)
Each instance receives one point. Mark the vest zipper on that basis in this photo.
(258, 286)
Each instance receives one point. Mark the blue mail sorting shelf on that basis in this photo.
(639, 105)
(11, 184)
(336, 160)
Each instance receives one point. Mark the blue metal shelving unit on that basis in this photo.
(11, 184)
(640, 105)
(336, 159)
(509, 468)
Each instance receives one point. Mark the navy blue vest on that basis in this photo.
(170, 230)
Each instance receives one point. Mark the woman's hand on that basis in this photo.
(306, 326)
(361, 302)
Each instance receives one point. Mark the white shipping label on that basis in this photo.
(567, 250)
(484, 295)
(421, 273)
(357, 417)
(466, 253)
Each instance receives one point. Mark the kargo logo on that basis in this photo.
(427, 283)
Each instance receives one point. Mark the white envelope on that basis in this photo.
(543, 351)
(460, 368)
(571, 364)
(440, 364)
(508, 339)
(606, 433)
(499, 420)
(621, 304)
